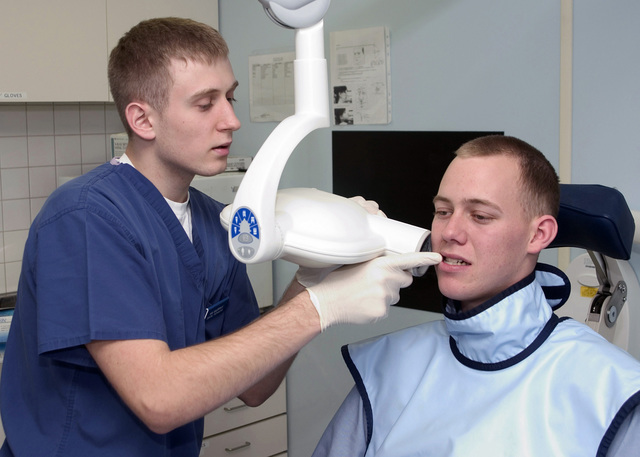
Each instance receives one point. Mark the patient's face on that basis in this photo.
(481, 229)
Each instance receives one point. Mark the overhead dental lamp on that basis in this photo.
(308, 227)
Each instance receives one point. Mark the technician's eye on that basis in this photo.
(231, 100)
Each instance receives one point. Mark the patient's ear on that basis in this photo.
(545, 229)
(139, 116)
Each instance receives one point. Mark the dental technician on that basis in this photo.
(133, 319)
(501, 375)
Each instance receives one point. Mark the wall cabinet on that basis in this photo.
(238, 430)
(58, 51)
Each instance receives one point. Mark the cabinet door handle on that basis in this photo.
(234, 408)
(237, 448)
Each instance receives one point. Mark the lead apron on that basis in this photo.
(508, 379)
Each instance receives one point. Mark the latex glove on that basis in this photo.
(362, 293)
(371, 206)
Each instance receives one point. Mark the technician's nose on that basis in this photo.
(230, 121)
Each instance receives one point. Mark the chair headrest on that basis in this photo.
(595, 218)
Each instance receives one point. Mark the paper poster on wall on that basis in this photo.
(361, 76)
(271, 96)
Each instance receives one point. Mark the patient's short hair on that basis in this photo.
(139, 65)
(538, 180)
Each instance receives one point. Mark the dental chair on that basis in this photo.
(605, 293)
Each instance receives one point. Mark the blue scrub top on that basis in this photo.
(106, 259)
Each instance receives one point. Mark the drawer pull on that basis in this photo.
(234, 408)
(237, 448)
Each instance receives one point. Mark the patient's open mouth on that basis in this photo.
(452, 261)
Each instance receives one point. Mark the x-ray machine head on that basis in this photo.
(306, 226)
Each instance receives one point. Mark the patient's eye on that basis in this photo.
(442, 212)
(481, 218)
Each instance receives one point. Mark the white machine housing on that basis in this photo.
(318, 228)
(308, 227)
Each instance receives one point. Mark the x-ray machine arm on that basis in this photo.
(306, 226)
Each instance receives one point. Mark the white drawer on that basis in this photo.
(236, 414)
(262, 439)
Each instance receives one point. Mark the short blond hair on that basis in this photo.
(139, 65)
(539, 182)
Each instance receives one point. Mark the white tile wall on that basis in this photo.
(38, 144)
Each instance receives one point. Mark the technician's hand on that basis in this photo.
(362, 293)
(371, 206)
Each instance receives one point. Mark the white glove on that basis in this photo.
(371, 206)
(362, 293)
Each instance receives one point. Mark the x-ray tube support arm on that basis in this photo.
(258, 191)
(306, 226)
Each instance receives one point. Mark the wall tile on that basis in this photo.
(92, 118)
(40, 142)
(3, 284)
(13, 152)
(112, 120)
(66, 119)
(93, 148)
(42, 181)
(36, 206)
(68, 149)
(14, 245)
(40, 119)
(13, 120)
(67, 171)
(42, 150)
(12, 275)
(15, 183)
(16, 214)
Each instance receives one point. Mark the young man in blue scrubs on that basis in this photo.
(133, 319)
(501, 375)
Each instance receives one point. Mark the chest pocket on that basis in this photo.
(214, 317)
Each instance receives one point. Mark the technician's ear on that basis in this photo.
(545, 229)
(139, 117)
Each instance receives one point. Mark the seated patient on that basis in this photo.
(501, 375)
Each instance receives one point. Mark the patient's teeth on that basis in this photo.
(455, 262)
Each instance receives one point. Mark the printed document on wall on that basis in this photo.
(361, 76)
(271, 91)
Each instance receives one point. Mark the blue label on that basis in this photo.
(245, 222)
